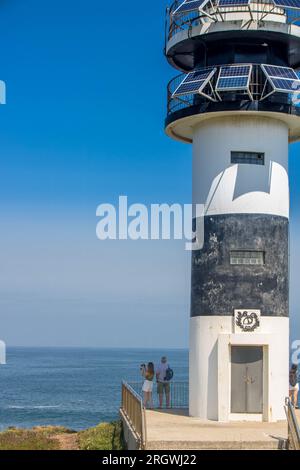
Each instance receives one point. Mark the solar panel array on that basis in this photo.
(278, 3)
(237, 78)
(189, 5)
(194, 82)
(229, 3)
(234, 77)
(282, 79)
(287, 3)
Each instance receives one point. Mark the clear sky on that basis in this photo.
(86, 101)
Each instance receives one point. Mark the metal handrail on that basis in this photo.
(293, 426)
(179, 394)
(134, 411)
(258, 10)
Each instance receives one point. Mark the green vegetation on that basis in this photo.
(29, 439)
(105, 436)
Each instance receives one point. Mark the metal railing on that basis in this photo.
(133, 410)
(257, 90)
(293, 426)
(258, 10)
(179, 394)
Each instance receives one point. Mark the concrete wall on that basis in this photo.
(227, 188)
(131, 439)
(218, 287)
(210, 340)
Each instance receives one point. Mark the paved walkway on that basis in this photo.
(174, 429)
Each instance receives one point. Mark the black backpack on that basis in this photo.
(293, 379)
(169, 374)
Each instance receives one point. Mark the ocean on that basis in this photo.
(73, 387)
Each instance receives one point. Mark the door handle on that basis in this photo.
(249, 380)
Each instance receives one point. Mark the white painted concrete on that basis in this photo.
(225, 188)
(175, 430)
(183, 129)
(210, 368)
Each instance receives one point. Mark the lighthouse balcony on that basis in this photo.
(230, 89)
(215, 11)
(195, 29)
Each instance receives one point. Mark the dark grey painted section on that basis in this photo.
(219, 287)
(238, 46)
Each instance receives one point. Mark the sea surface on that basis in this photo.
(72, 387)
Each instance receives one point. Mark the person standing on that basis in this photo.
(294, 385)
(164, 375)
(148, 374)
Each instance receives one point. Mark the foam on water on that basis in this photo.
(76, 388)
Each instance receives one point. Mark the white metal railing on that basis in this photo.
(256, 10)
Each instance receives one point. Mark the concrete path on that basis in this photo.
(174, 429)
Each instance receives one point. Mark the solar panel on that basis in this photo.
(201, 74)
(233, 82)
(291, 86)
(189, 88)
(189, 5)
(282, 79)
(227, 3)
(235, 70)
(194, 82)
(234, 77)
(281, 72)
(287, 3)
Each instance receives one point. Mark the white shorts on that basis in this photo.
(295, 388)
(147, 386)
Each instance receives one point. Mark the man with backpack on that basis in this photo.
(294, 385)
(164, 375)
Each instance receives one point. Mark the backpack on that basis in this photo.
(169, 374)
(293, 379)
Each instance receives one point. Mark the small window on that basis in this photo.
(252, 158)
(247, 257)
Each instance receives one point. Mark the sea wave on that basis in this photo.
(32, 407)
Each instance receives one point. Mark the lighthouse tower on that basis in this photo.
(236, 102)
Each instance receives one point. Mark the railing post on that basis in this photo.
(293, 426)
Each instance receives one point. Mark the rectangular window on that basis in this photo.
(247, 257)
(252, 158)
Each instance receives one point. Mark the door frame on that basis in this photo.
(225, 341)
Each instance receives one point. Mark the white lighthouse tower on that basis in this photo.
(236, 103)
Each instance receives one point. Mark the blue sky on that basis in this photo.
(86, 101)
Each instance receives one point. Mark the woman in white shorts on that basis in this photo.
(148, 374)
(294, 385)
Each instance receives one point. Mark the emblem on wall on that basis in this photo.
(247, 321)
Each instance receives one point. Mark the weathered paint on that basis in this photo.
(218, 287)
